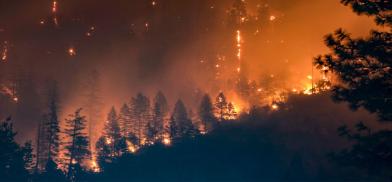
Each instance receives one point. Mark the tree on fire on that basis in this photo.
(78, 145)
(363, 66)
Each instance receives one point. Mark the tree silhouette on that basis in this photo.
(363, 68)
(180, 124)
(155, 126)
(206, 113)
(78, 145)
(141, 114)
(52, 126)
(112, 134)
(13, 158)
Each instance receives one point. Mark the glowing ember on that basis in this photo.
(274, 107)
(4, 54)
(131, 147)
(272, 18)
(54, 7)
(71, 51)
(153, 3)
(166, 141)
(94, 166)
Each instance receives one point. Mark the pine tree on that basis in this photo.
(221, 106)
(141, 114)
(78, 145)
(180, 124)
(206, 113)
(155, 128)
(13, 158)
(41, 145)
(363, 68)
(231, 112)
(112, 134)
(52, 126)
(124, 119)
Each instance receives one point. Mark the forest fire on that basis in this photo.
(102, 88)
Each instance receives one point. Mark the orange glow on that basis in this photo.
(72, 51)
(4, 54)
(54, 7)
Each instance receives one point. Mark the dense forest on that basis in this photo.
(333, 131)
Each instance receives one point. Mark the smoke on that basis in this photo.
(172, 46)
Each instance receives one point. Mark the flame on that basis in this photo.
(4, 54)
(131, 147)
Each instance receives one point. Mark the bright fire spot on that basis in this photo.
(153, 3)
(259, 89)
(166, 141)
(71, 51)
(272, 18)
(309, 77)
(54, 7)
(274, 107)
(108, 141)
(15, 99)
(94, 166)
(217, 65)
(4, 54)
(131, 147)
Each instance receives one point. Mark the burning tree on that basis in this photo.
(221, 106)
(78, 145)
(363, 67)
(112, 134)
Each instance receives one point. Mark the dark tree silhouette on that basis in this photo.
(363, 67)
(124, 119)
(13, 158)
(141, 114)
(156, 125)
(78, 145)
(112, 134)
(206, 113)
(180, 124)
(52, 126)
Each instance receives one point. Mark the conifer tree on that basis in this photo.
(52, 126)
(180, 124)
(141, 113)
(78, 145)
(112, 134)
(206, 113)
(221, 106)
(363, 69)
(156, 125)
(13, 158)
